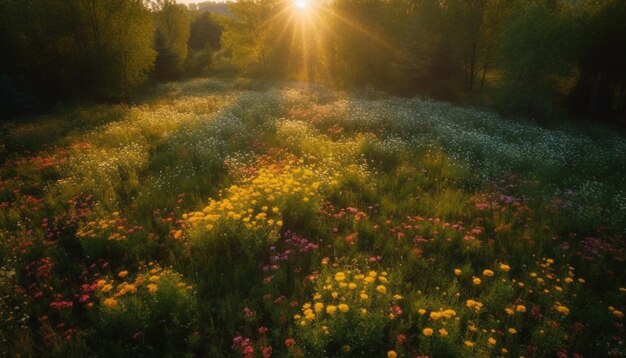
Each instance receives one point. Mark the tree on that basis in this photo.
(173, 23)
(534, 55)
(205, 32)
(255, 36)
(601, 86)
(69, 48)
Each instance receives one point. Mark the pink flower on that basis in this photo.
(267, 352)
(290, 342)
(401, 338)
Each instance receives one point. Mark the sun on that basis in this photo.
(301, 4)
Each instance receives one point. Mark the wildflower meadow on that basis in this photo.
(233, 219)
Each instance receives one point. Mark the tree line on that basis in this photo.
(98, 49)
(537, 58)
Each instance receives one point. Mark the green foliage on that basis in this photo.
(533, 54)
(173, 27)
(101, 49)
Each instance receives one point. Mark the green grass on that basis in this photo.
(202, 219)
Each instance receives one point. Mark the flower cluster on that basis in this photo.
(114, 227)
(114, 290)
(259, 201)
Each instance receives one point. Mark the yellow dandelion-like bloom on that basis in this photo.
(520, 308)
(421, 311)
(469, 344)
(476, 281)
(330, 309)
(343, 307)
(458, 272)
(381, 289)
(512, 330)
(122, 274)
(427, 332)
(364, 296)
(618, 313)
(443, 332)
(340, 276)
(110, 302)
(491, 341)
(392, 354)
(488, 273)
(505, 267)
(562, 309)
(318, 307)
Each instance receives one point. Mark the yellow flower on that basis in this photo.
(343, 307)
(468, 344)
(562, 309)
(458, 272)
(443, 332)
(434, 315)
(364, 296)
(476, 281)
(512, 330)
(330, 309)
(618, 313)
(505, 267)
(520, 308)
(122, 274)
(152, 288)
(392, 354)
(340, 276)
(421, 311)
(472, 328)
(351, 285)
(568, 280)
(509, 311)
(427, 332)
(381, 289)
(449, 313)
(397, 297)
(488, 273)
(491, 341)
(110, 302)
(319, 307)
(106, 288)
